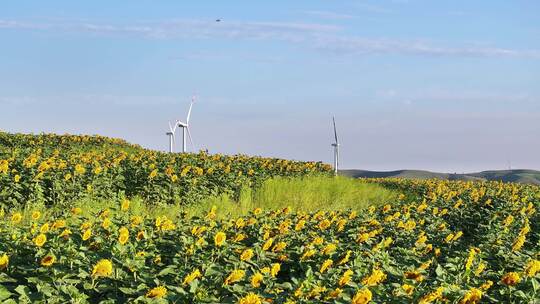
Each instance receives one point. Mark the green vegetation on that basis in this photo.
(307, 194)
(53, 173)
(93, 220)
(442, 242)
(57, 170)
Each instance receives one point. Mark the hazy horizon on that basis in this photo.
(446, 86)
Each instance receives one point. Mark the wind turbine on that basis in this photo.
(172, 130)
(336, 148)
(185, 127)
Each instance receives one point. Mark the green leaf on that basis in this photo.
(193, 286)
(142, 287)
(286, 285)
(535, 284)
(309, 273)
(83, 274)
(167, 270)
(439, 271)
(238, 288)
(4, 293)
(4, 278)
(22, 290)
(88, 286)
(128, 291)
(520, 294)
(212, 271)
(177, 289)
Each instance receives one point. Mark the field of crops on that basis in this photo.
(439, 242)
(56, 170)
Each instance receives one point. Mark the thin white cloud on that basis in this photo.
(89, 99)
(363, 45)
(11, 24)
(315, 35)
(458, 96)
(210, 29)
(212, 56)
(17, 100)
(330, 15)
(372, 8)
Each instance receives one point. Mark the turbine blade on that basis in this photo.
(190, 106)
(190, 139)
(170, 127)
(335, 131)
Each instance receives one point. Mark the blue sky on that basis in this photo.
(440, 85)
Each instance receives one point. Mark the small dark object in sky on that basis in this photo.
(218, 20)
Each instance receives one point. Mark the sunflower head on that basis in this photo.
(103, 268)
(157, 292)
(219, 238)
(48, 260)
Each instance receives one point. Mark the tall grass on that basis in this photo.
(301, 194)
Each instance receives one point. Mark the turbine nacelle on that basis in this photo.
(185, 128)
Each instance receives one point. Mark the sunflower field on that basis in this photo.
(456, 242)
(439, 242)
(56, 170)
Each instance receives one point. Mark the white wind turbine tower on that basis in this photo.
(185, 127)
(172, 130)
(336, 148)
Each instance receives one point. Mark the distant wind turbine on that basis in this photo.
(336, 148)
(185, 128)
(172, 130)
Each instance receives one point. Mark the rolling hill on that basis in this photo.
(516, 176)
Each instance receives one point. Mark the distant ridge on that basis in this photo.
(515, 176)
